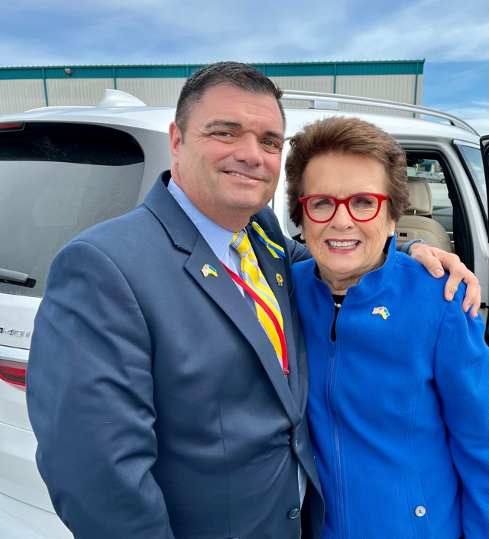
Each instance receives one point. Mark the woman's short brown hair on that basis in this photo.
(346, 136)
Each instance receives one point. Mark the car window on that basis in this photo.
(432, 171)
(57, 180)
(473, 160)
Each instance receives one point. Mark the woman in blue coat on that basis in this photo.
(397, 403)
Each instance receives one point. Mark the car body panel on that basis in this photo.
(17, 313)
(20, 520)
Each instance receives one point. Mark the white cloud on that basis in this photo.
(171, 31)
(439, 30)
(18, 54)
(476, 114)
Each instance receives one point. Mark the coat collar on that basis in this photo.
(166, 209)
(224, 292)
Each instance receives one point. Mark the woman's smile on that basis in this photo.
(342, 246)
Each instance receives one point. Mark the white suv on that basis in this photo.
(63, 170)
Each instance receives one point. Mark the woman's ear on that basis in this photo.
(392, 227)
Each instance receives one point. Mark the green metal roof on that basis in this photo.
(20, 73)
(95, 72)
(291, 69)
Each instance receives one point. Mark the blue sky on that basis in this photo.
(452, 36)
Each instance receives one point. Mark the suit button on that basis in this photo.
(296, 443)
(294, 513)
(420, 511)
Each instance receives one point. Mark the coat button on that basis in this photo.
(296, 443)
(420, 511)
(294, 513)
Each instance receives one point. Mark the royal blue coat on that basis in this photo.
(397, 407)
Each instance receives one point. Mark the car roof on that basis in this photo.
(153, 118)
(159, 119)
(397, 126)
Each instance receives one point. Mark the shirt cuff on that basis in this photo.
(407, 245)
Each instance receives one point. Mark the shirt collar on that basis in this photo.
(217, 237)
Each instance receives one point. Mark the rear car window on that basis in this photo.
(56, 180)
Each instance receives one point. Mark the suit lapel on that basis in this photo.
(226, 295)
(223, 291)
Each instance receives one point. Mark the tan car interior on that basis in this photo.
(416, 221)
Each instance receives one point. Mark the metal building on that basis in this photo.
(25, 88)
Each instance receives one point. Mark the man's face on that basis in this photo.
(229, 162)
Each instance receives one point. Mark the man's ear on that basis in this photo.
(175, 136)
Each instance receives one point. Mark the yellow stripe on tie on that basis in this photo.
(275, 249)
(254, 278)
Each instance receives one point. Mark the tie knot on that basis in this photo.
(241, 243)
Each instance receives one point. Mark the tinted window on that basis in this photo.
(56, 180)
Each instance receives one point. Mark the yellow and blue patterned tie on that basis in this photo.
(253, 277)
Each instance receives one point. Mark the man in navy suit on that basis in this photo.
(159, 404)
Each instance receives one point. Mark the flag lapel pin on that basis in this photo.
(208, 270)
(382, 311)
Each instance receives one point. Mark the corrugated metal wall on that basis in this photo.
(77, 92)
(311, 84)
(390, 87)
(25, 88)
(153, 92)
(21, 95)
(419, 93)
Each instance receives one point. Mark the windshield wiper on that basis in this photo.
(17, 278)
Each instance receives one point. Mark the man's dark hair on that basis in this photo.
(235, 74)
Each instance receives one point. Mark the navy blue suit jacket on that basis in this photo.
(158, 402)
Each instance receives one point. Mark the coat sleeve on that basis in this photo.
(461, 375)
(90, 401)
(298, 251)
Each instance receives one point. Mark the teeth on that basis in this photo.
(238, 175)
(343, 244)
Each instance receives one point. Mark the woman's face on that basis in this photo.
(345, 249)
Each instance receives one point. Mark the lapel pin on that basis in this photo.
(208, 270)
(280, 279)
(382, 311)
(275, 249)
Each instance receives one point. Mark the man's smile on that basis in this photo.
(241, 175)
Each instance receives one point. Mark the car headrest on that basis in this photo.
(420, 197)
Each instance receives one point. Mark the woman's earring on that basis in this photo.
(301, 237)
(391, 233)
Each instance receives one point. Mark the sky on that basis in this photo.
(451, 35)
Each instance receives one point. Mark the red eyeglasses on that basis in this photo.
(361, 206)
